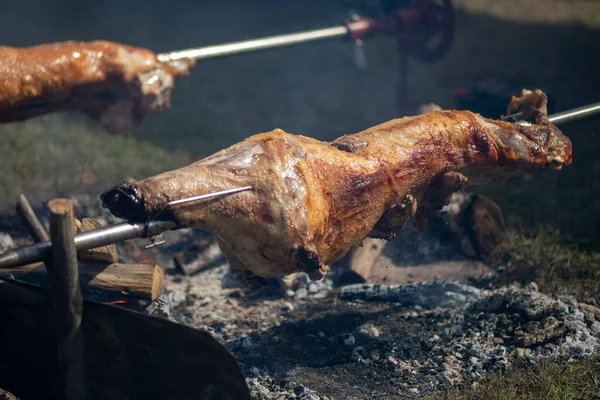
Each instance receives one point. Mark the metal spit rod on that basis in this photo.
(85, 241)
(320, 34)
(575, 114)
(107, 235)
(560, 118)
(255, 44)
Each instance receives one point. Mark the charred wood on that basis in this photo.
(140, 281)
(30, 220)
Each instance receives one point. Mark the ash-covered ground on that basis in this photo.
(314, 340)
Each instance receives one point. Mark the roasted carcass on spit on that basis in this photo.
(115, 84)
(312, 201)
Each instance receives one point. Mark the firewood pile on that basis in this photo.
(100, 273)
(62, 336)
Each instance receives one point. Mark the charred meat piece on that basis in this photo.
(115, 84)
(312, 202)
(531, 106)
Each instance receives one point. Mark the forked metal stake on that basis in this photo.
(222, 193)
(189, 200)
(107, 235)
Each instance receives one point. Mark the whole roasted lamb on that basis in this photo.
(313, 201)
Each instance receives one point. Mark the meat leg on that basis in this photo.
(313, 202)
(115, 84)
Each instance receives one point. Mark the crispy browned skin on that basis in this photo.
(312, 201)
(116, 84)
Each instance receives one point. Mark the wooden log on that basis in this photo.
(140, 281)
(486, 220)
(454, 217)
(66, 301)
(143, 281)
(477, 222)
(179, 362)
(107, 253)
(28, 218)
(64, 277)
(357, 266)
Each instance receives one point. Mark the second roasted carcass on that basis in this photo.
(115, 84)
(312, 201)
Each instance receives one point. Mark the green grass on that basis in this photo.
(547, 381)
(553, 219)
(60, 155)
(566, 201)
(556, 266)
